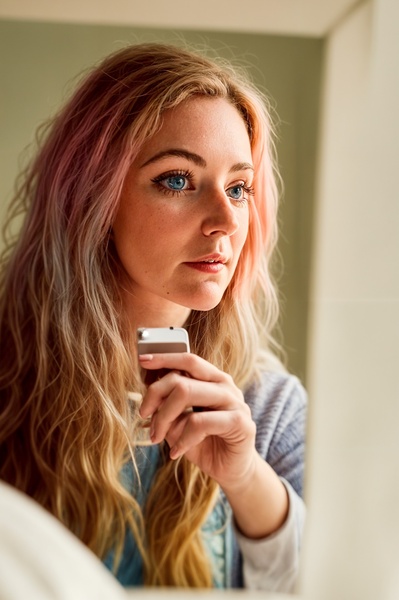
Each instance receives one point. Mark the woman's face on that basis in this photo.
(183, 214)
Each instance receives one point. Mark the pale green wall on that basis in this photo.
(40, 59)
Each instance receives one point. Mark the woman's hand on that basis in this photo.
(219, 434)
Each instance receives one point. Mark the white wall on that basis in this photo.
(284, 17)
(352, 545)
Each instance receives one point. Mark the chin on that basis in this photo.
(203, 304)
(205, 307)
(204, 299)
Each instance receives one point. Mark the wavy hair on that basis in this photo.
(68, 358)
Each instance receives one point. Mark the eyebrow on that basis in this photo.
(195, 158)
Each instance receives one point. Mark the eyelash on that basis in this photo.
(189, 175)
(249, 190)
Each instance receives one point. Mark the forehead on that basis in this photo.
(204, 125)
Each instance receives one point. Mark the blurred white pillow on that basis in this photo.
(41, 559)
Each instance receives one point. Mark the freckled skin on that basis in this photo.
(158, 231)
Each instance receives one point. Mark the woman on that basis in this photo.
(152, 203)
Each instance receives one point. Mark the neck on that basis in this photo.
(154, 313)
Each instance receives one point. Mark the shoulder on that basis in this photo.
(274, 393)
(278, 406)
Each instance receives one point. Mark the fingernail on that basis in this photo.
(145, 357)
(174, 452)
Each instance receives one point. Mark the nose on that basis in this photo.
(220, 215)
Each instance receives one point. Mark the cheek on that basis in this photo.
(144, 242)
(134, 224)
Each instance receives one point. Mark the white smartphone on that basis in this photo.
(153, 340)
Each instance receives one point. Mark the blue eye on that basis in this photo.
(240, 193)
(235, 192)
(176, 182)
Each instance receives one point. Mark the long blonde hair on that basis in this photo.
(67, 354)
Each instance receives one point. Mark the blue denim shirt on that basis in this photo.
(216, 531)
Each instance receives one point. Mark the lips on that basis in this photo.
(211, 264)
(211, 259)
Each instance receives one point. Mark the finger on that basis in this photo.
(184, 398)
(174, 396)
(195, 366)
(158, 392)
(170, 411)
(175, 393)
(234, 427)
